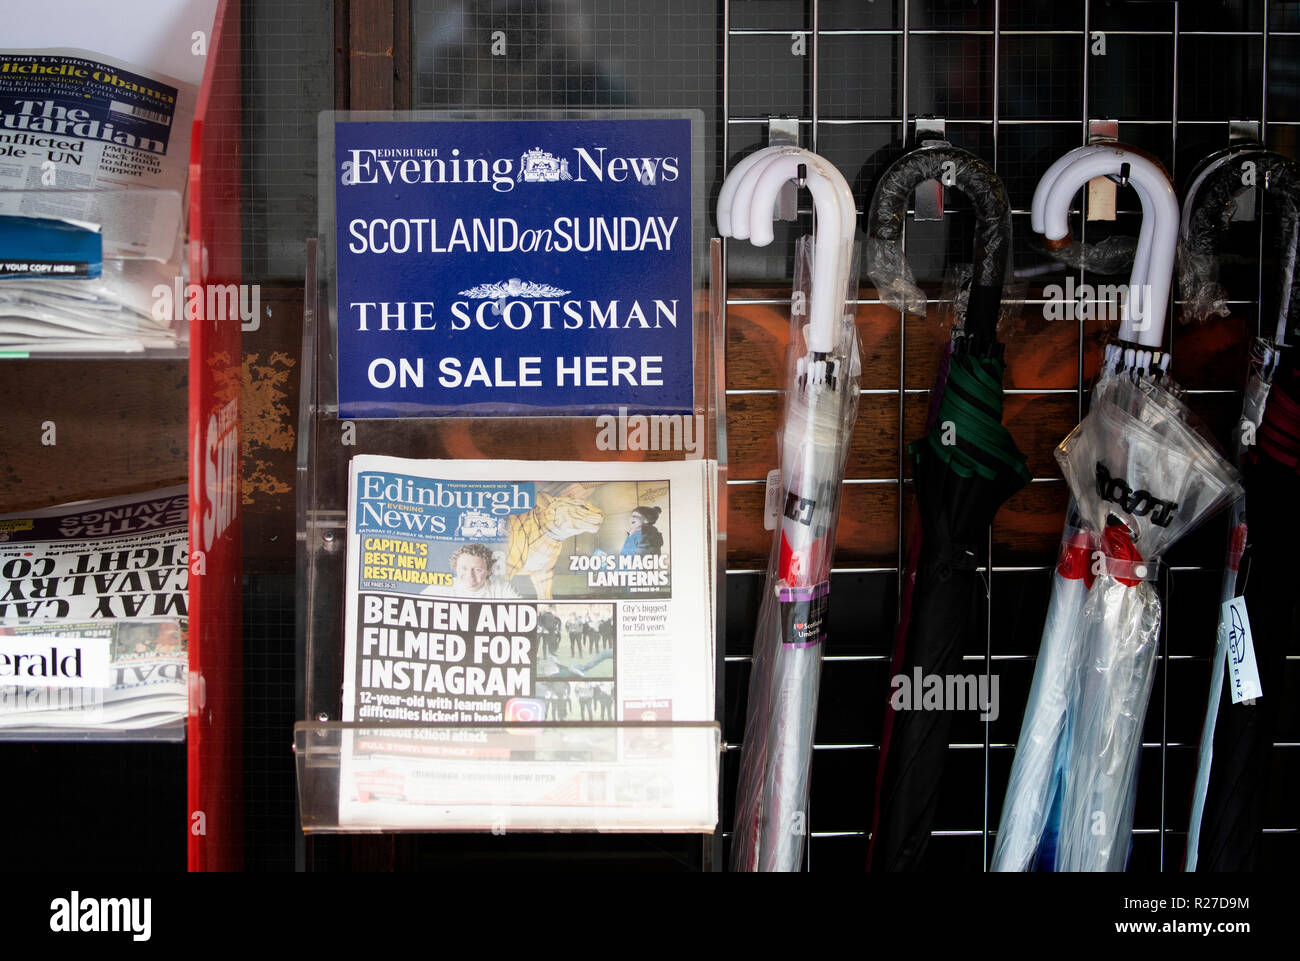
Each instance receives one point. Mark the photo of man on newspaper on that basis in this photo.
(475, 568)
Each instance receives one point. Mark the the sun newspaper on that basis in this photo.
(93, 616)
(539, 593)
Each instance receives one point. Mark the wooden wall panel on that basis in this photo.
(1042, 366)
(134, 442)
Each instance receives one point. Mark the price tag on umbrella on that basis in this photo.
(772, 500)
(1241, 652)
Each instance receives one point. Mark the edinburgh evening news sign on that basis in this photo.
(497, 263)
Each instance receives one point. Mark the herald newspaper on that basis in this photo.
(93, 615)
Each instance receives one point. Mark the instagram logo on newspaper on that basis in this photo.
(525, 709)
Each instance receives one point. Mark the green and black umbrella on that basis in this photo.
(963, 469)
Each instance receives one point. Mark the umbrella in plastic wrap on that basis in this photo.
(1208, 211)
(1143, 477)
(1224, 829)
(1030, 818)
(964, 468)
(1230, 832)
(821, 407)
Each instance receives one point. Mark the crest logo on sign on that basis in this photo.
(538, 166)
(512, 288)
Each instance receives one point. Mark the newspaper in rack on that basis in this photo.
(96, 125)
(481, 592)
(93, 615)
(104, 145)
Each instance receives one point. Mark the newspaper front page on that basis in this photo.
(93, 615)
(99, 145)
(76, 126)
(482, 592)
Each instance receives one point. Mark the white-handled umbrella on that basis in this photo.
(1039, 760)
(1142, 477)
(821, 407)
(1028, 829)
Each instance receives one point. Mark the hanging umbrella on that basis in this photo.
(963, 469)
(1233, 763)
(1141, 478)
(1030, 813)
(1230, 835)
(821, 407)
(1207, 211)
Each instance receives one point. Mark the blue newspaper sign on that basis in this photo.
(508, 267)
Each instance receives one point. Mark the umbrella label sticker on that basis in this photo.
(803, 614)
(1235, 623)
(772, 500)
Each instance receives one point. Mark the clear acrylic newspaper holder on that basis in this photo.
(638, 774)
(139, 307)
(510, 777)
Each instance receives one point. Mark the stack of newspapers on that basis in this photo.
(91, 203)
(93, 618)
(113, 313)
(533, 641)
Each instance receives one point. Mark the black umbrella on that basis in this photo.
(1207, 213)
(1232, 777)
(964, 468)
(1231, 835)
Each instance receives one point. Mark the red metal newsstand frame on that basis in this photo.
(215, 731)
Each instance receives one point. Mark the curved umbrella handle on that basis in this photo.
(1207, 212)
(742, 202)
(1206, 166)
(1159, 204)
(727, 195)
(977, 180)
(749, 195)
(833, 245)
(1049, 178)
(1142, 255)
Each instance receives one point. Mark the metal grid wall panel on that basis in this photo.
(1016, 83)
